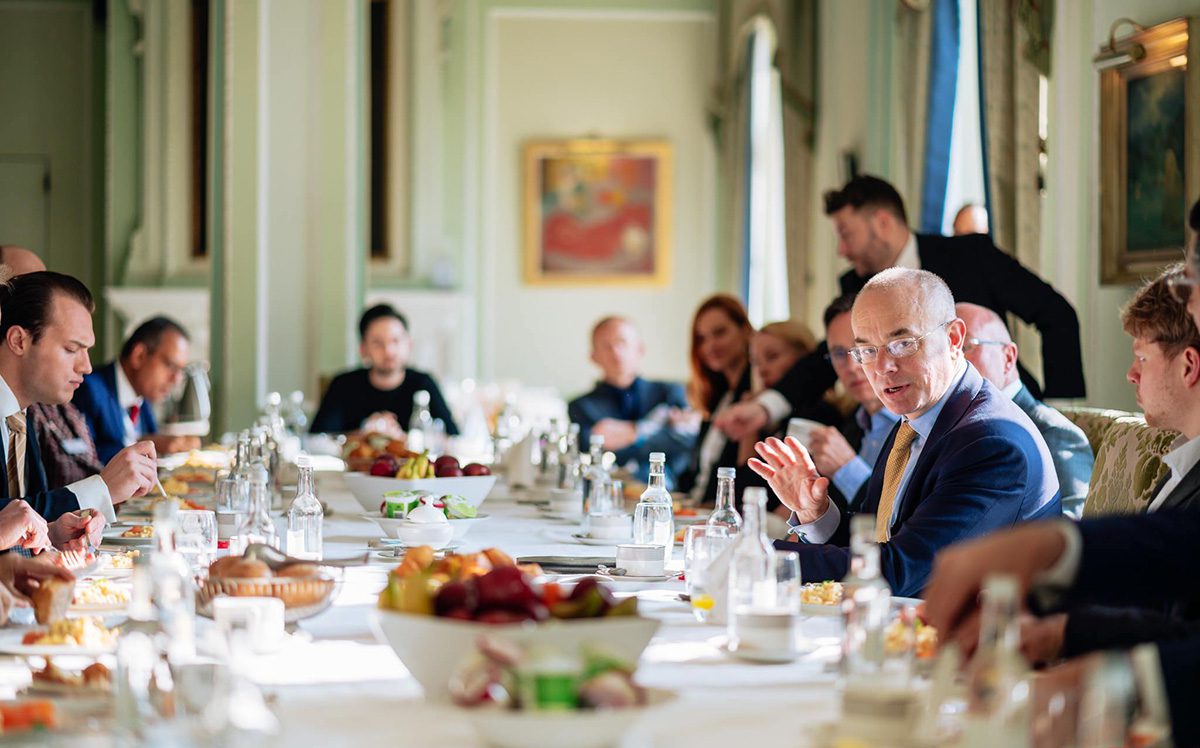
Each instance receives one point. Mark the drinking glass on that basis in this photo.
(228, 495)
(701, 547)
(196, 537)
(788, 583)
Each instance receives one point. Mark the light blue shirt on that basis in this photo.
(850, 477)
(823, 528)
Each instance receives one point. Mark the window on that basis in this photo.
(964, 184)
(764, 252)
(199, 166)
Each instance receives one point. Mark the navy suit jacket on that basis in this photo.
(984, 467)
(605, 401)
(97, 399)
(49, 504)
(1147, 560)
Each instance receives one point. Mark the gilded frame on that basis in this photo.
(1168, 46)
(566, 245)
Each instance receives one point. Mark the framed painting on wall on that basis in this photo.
(1149, 148)
(597, 212)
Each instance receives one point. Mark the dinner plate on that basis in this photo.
(52, 650)
(692, 519)
(118, 540)
(608, 576)
(42, 688)
(585, 540)
(816, 609)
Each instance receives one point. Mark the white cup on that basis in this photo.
(609, 526)
(801, 429)
(260, 617)
(565, 501)
(641, 559)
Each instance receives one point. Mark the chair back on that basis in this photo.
(1128, 459)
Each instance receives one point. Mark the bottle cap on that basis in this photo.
(658, 457)
(303, 460)
(725, 472)
(755, 495)
(596, 440)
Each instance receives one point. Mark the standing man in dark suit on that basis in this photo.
(991, 350)
(45, 334)
(963, 461)
(873, 234)
(117, 398)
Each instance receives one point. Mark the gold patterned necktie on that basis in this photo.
(16, 454)
(893, 471)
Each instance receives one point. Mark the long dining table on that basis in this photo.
(336, 684)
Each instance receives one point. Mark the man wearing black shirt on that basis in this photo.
(382, 394)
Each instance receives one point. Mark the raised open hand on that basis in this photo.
(789, 470)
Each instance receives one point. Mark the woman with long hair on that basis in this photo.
(720, 364)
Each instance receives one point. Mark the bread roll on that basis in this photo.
(51, 600)
(305, 571)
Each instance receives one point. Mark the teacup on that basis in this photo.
(641, 559)
(801, 429)
(565, 501)
(609, 526)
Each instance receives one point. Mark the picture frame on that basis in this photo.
(597, 212)
(1149, 148)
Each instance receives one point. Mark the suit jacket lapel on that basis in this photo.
(35, 471)
(1185, 493)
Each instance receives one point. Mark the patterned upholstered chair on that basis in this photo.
(1128, 459)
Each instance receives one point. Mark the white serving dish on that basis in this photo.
(591, 728)
(433, 649)
(396, 527)
(369, 489)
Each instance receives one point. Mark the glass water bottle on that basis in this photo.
(998, 686)
(866, 606)
(653, 518)
(751, 565)
(305, 518)
(724, 515)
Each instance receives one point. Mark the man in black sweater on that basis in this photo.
(873, 235)
(380, 397)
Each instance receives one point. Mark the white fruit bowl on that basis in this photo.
(369, 489)
(586, 728)
(411, 533)
(433, 649)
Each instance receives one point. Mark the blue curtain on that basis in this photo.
(747, 162)
(939, 127)
(983, 131)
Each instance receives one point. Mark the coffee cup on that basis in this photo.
(801, 429)
(565, 501)
(641, 559)
(609, 526)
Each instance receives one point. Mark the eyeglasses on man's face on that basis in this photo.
(898, 348)
(838, 356)
(970, 345)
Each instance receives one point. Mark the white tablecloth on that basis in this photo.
(344, 688)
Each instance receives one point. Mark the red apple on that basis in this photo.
(384, 466)
(446, 467)
(475, 468)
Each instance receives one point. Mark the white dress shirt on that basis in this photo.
(127, 397)
(1184, 455)
(91, 492)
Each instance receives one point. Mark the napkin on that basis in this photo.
(518, 463)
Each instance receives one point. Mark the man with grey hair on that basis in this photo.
(963, 461)
(990, 349)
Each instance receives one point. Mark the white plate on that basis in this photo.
(118, 540)
(585, 540)
(395, 543)
(692, 519)
(52, 650)
(62, 689)
(816, 609)
(617, 578)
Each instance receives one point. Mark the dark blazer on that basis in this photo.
(1149, 559)
(632, 405)
(1094, 627)
(983, 468)
(50, 504)
(978, 272)
(97, 399)
(60, 426)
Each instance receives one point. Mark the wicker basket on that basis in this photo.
(302, 596)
